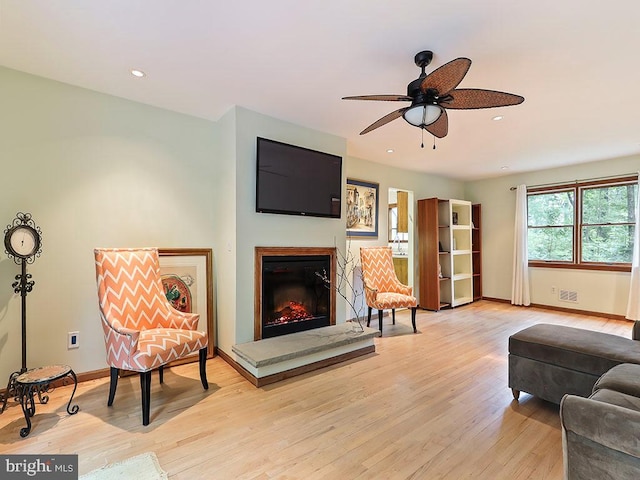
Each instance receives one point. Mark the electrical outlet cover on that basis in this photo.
(72, 340)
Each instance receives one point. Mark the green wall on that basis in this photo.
(93, 170)
(598, 291)
(421, 184)
(264, 229)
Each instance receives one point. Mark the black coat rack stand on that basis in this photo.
(23, 285)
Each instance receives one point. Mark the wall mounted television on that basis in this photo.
(294, 180)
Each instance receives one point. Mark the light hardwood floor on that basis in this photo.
(425, 406)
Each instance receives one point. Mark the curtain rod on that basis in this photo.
(634, 174)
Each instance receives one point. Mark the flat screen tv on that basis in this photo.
(297, 181)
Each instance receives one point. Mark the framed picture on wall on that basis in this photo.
(362, 208)
(187, 280)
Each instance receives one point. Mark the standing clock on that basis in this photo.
(23, 239)
(23, 243)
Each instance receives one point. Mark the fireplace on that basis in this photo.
(290, 296)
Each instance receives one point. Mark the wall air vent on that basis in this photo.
(568, 296)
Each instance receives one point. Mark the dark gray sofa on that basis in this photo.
(601, 434)
(549, 361)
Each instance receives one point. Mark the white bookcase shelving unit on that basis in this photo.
(445, 253)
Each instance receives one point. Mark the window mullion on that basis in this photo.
(577, 226)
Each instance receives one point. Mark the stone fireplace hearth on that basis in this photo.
(276, 357)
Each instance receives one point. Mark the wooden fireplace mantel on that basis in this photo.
(286, 252)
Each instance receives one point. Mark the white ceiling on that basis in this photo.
(574, 61)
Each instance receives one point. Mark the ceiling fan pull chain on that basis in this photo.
(434, 142)
(422, 144)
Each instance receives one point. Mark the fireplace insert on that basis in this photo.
(294, 297)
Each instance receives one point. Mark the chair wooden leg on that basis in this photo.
(413, 319)
(145, 386)
(369, 316)
(161, 373)
(393, 315)
(113, 384)
(203, 368)
(380, 314)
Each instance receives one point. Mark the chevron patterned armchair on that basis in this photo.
(382, 289)
(142, 332)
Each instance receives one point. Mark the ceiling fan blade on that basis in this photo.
(384, 98)
(384, 120)
(473, 98)
(440, 127)
(447, 77)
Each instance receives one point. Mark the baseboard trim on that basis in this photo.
(294, 372)
(497, 300)
(562, 309)
(237, 367)
(105, 372)
(93, 375)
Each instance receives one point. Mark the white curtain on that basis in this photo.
(633, 306)
(520, 282)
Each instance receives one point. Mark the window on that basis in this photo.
(551, 217)
(584, 225)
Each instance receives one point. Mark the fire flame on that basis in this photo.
(294, 312)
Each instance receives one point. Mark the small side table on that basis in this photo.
(36, 382)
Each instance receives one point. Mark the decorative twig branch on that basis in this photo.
(345, 268)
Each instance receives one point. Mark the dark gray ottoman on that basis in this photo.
(549, 361)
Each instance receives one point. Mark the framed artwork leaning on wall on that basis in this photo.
(187, 280)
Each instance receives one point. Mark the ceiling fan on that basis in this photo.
(431, 95)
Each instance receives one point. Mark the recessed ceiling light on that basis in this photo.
(504, 167)
(390, 150)
(137, 73)
(497, 117)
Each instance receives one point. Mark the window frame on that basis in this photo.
(578, 187)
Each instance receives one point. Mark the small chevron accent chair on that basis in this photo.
(382, 289)
(142, 331)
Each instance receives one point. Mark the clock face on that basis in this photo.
(22, 241)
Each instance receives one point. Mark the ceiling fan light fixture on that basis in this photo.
(422, 115)
(432, 95)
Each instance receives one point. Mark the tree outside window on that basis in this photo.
(585, 225)
(608, 223)
(551, 218)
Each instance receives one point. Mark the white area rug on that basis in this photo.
(140, 467)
